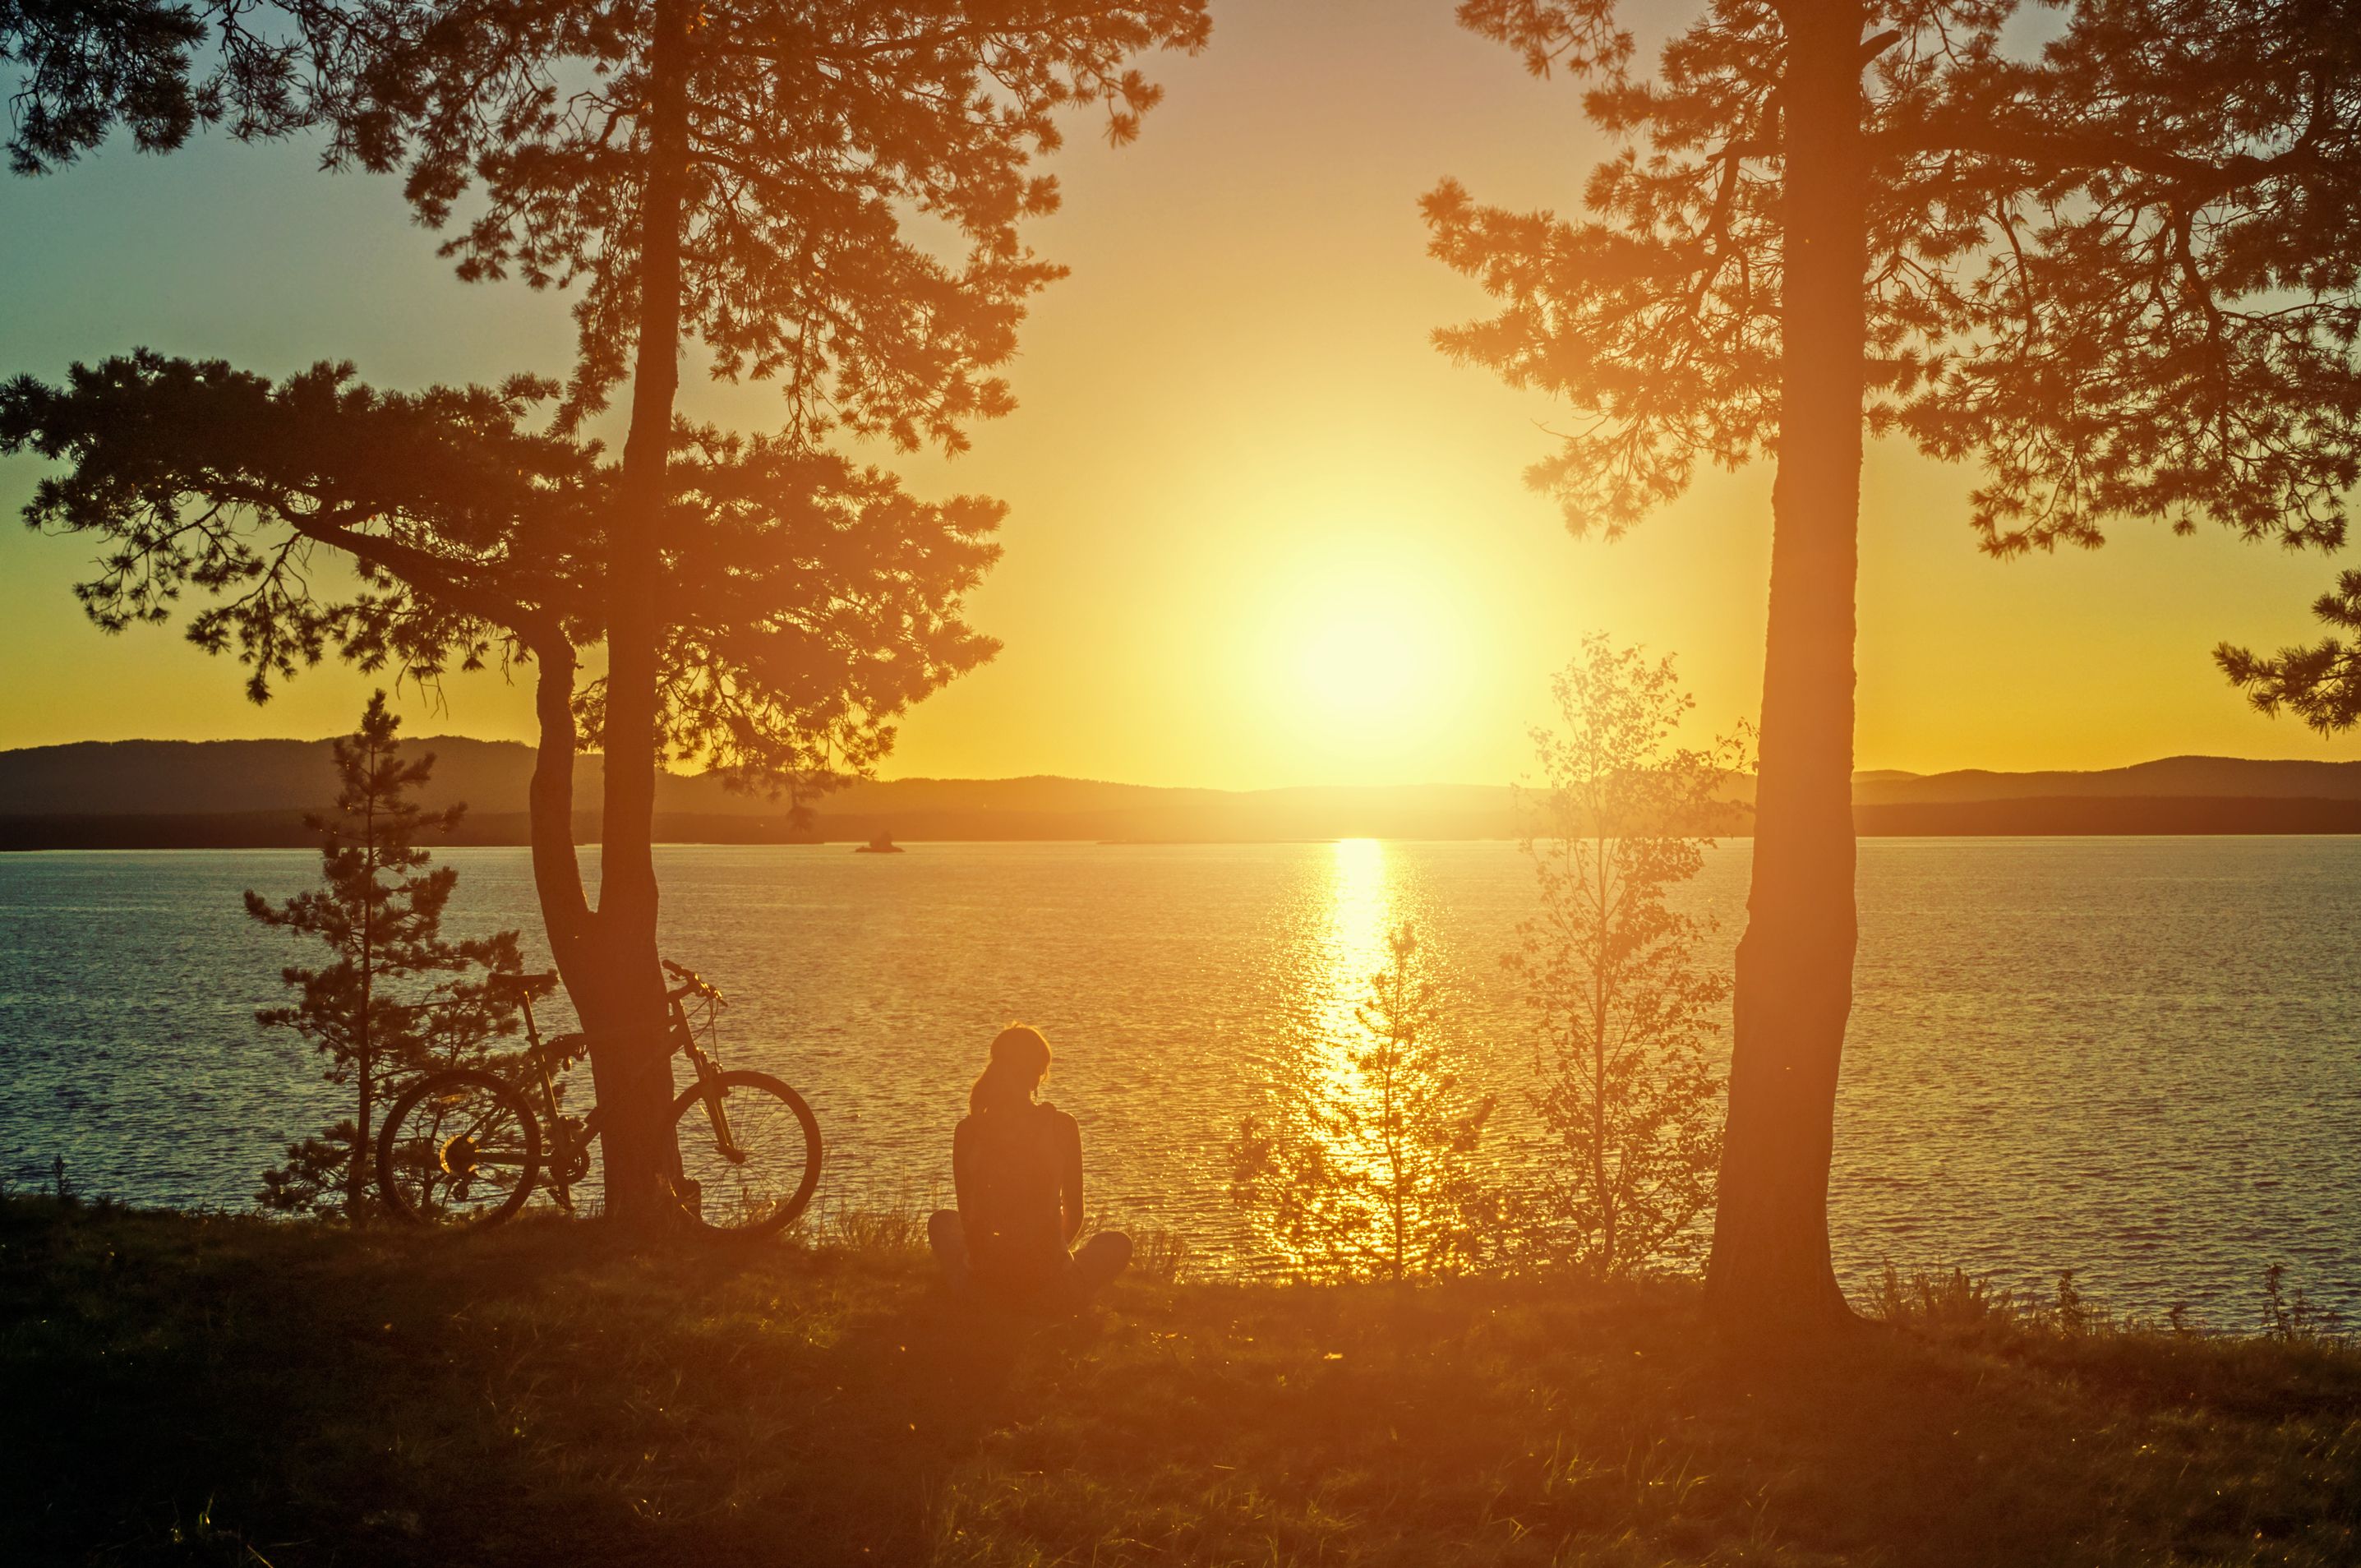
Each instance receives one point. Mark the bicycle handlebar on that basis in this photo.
(691, 980)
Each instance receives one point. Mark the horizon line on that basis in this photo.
(584, 753)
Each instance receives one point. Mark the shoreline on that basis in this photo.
(2040, 817)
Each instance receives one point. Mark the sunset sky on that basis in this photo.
(1262, 534)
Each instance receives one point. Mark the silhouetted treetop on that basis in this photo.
(1580, 37)
(466, 524)
(857, 172)
(2117, 269)
(806, 601)
(164, 68)
(85, 68)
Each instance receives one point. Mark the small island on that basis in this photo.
(881, 845)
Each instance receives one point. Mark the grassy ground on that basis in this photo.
(225, 1390)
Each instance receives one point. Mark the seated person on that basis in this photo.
(1016, 1166)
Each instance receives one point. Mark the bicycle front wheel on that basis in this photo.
(458, 1148)
(751, 1150)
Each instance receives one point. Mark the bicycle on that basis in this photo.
(466, 1146)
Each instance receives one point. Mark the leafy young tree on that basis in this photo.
(744, 172)
(1372, 1173)
(1629, 1091)
(810, 602)
(394, 995)
(2117, 267)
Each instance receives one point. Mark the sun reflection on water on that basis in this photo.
(1361, 916)
(1360, 913)
(1326, 963)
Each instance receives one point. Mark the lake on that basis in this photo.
(2139, 1058)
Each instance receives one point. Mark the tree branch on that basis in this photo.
(2196, 179)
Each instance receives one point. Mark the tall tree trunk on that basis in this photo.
(556, 869)
(357, 1175)
(631, 1057)
(1770, 1265)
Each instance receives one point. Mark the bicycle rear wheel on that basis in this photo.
(458, 1148)
(756, 1181)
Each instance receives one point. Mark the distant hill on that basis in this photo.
(180, 777)
(167, 794)
(2170, 777)
(160, 794)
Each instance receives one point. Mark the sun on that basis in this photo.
(1365, 655)
(1360, 661)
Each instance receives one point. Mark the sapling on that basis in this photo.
(395, 997)
(1631, 1094)
(1371, 1172)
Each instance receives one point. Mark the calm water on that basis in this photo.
(2138, 1058)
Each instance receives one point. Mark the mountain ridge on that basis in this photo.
(164, 793)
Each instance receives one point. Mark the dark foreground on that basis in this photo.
(228, 1391)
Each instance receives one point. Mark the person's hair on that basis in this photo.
(1020, 1060)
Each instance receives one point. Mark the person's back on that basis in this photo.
(1013, 1168)
(1016, 1166)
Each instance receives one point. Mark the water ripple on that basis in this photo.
(2138, 1058)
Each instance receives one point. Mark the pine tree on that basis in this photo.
(1371, 1172)
(828, 195)
(395, 996)
(2111, 258)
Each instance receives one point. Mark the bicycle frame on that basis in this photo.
(708, 1071)
(566, 1144)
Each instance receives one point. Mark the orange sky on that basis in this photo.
(1262, 534)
